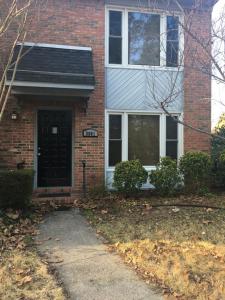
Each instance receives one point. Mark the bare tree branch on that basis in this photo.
(19, 15)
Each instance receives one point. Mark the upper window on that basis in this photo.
(144, 39)
(147, 39)
(172, 46)
(115, 37)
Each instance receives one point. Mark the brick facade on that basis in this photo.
(79, 23)
(197, 85)
(82, 23)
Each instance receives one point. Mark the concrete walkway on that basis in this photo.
(87, 269)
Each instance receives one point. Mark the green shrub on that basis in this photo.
(222, 168)
(218, 147)
(166, 178)
(218, 144)
(195, 168)
(222, 157)
(16, 188)
(218, 171)
(129, 176)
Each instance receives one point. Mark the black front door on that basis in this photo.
(54, 148)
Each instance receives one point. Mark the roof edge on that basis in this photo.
(31, 44)
(201, 3)
(49, 85)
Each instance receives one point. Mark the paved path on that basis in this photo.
(87, 269)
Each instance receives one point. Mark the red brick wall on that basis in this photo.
(197, 85)
(77, 23)
(17, 137)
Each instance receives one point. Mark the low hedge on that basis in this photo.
(166, 178)
(16, 188)
(129, 177)
(218, 171)
(195, 168)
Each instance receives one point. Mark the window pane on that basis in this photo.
(144, 39)
(114, 152)
(114, 127)
(172, 54)
(115, 23)
(115, 50)
(171, 128)
(171, 149)
(172, 48)
(172, 28)
(143, 139)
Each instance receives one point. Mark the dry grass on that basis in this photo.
(24, 276)
(181, 250)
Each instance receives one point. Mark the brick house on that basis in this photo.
(82, 90)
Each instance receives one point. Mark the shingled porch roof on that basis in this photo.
(49, 69)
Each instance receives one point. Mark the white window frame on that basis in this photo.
(163, 36)
(124, 134)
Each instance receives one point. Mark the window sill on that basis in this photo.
(147, 168)
(154, 68)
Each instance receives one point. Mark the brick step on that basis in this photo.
(56, 190)
(58, 200)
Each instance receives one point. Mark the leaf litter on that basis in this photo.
(179, 249)
(23, 274)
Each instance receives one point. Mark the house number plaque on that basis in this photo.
(90, 132)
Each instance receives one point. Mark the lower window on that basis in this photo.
(143, 139)
(171, 137)
(115, 139)
(139, 138)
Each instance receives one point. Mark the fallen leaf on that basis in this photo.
(25, 280)
(13, 216)
(207, 222)
(55, 261)
(19, 271)
(209, 209)
(148, 207)
(176, 209)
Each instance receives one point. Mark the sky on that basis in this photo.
(218, 91)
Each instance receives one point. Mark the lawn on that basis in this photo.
(24, 275)
(180, 249)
